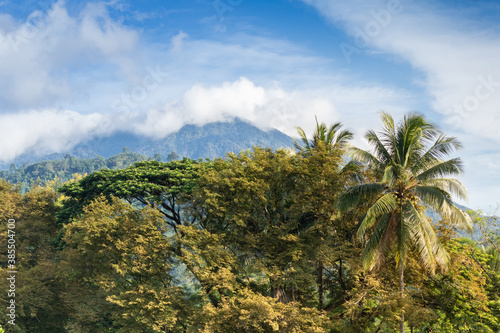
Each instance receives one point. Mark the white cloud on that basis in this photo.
(272, 106)
(177, 41)
(46, 131)
(41, 59)
(269, 82)
(87, 61)
(266, 108)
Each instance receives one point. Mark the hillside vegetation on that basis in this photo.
(303, 241)
(65, 169)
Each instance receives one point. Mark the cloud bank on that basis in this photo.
(67, 78)
(52, 130)
(46, 131)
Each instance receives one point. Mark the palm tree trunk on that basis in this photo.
(401, 294)
(401, 267)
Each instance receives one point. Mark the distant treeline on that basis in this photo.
(65, 169)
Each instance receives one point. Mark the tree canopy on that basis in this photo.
(305, 240)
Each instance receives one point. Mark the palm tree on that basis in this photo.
(330, 137)
(407, 162)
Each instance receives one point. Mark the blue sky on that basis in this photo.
(75, 69)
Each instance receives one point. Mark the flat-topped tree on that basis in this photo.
(407, 160)
(152, 183)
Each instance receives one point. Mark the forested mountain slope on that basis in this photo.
(66, 168)
(208, 141)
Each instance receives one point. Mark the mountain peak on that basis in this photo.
(208, 141)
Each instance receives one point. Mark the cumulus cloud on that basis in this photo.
(269, 106)
(46, 131)
(49, 130)
(90, 62)
(264, 107)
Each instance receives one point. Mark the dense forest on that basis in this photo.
(70, 167)
(323, 238)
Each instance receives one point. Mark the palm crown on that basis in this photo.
(408, 163)
(330, 137)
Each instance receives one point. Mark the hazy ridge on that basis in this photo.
(208, 141)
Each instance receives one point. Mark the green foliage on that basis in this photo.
(462, 295)
(64, 170)
(159, 185)
(409, 171)
(249, 198)
(39, 306)
(248, 312)
(123, 253)
(257, 242)
(409, 175)
(330, 138)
